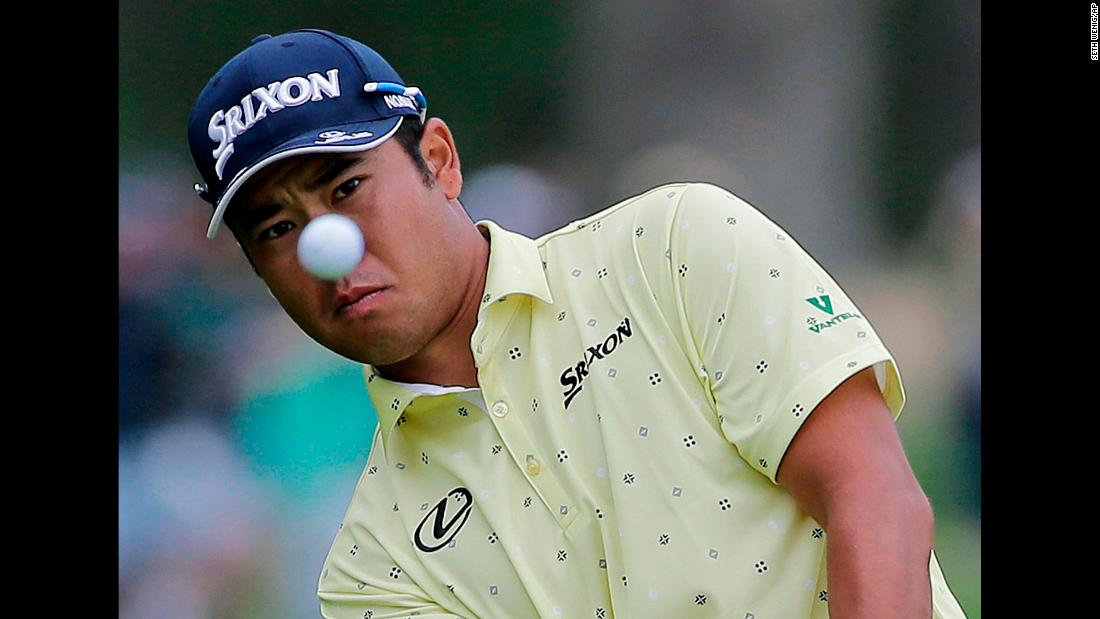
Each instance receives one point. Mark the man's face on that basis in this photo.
(406, 226)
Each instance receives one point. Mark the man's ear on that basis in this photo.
(440, 154)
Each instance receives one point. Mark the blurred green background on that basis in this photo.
(855, 126)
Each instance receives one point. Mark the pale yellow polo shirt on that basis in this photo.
(641, 374)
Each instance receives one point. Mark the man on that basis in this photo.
(666, 409)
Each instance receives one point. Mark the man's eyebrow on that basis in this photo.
(248, 219)
(334, 169)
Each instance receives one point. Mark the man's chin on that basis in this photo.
(380, 356)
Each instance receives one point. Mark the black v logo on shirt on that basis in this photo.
(442, 533)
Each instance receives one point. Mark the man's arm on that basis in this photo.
(376, 603)
(363, 578)
(369, 584)
(773, 335)
(846, 468)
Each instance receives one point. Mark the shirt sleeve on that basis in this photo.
(361, 578)
(770, 331)
(376, 603)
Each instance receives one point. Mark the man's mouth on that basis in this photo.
(359, 301)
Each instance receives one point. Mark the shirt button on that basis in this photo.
(500, 408)
(533, 466)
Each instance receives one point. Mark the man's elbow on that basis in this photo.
(913, 511)
(899, 511)
(918, 514)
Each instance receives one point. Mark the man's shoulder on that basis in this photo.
(624, 253)
(654, 207)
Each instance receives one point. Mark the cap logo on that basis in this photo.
(393, 101)
(225, 126)
(332, 137)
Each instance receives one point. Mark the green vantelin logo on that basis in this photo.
(825, 304)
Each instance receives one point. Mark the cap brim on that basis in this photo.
(351, 137)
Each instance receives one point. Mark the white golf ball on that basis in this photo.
(331, 246)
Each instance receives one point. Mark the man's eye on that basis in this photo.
(276, 231)
(346, 189)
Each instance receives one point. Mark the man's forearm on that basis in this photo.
(878, 553)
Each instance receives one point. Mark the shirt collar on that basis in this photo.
(515, 267)
(389, 399)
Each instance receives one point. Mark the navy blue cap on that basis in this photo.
(307, 91)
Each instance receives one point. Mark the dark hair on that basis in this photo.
(408, 136)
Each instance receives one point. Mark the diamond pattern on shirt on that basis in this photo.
(627, 460)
